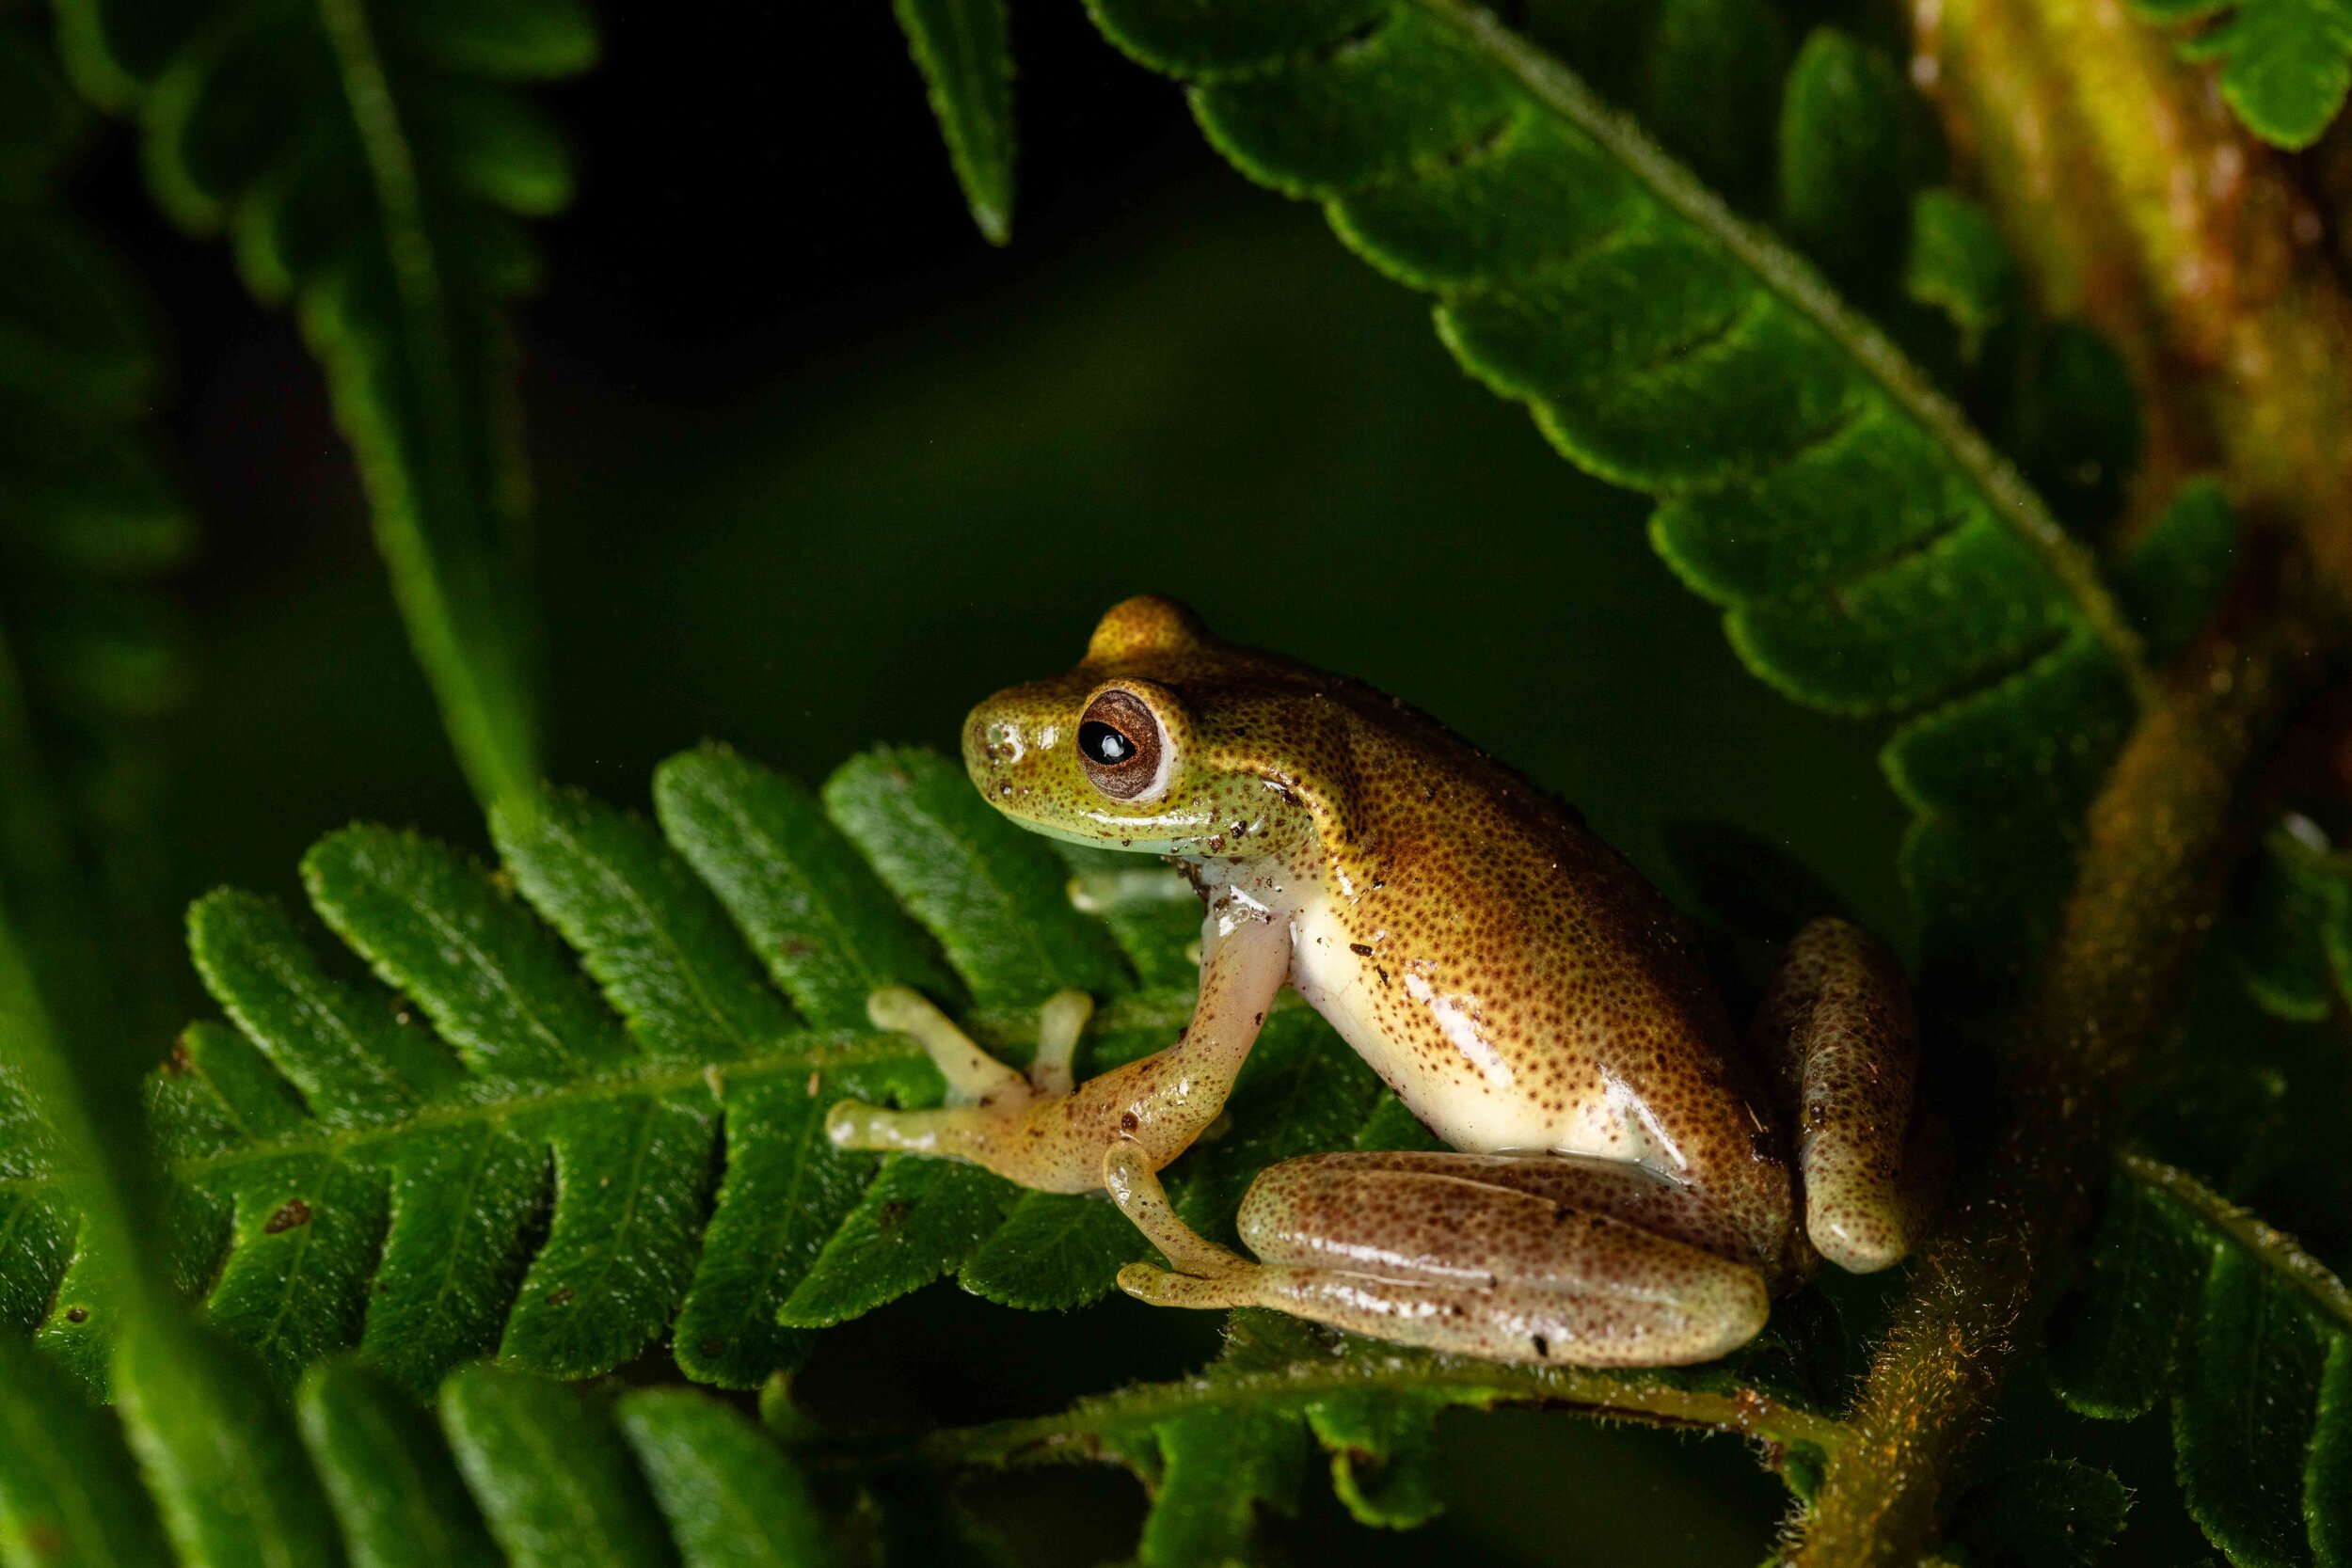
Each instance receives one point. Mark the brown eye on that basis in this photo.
(1119, 745)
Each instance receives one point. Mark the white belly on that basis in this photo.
(1435, 1051)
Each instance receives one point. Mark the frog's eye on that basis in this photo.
(1121, 746)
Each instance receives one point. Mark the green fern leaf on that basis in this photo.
(827, 930)
(556, 1483)
(516, 1471)
(731, 1498)
(998, 901)
(1957, 264)
(368, 162)
(2174, 577)
(2286, 64)
(1854, 146)
(505, 1153)
(2194, 1300)
(218, 1451)
(68, 1493)
(2052, 1514)
(387, 1474)
(1873, 555)
(2291, 936)
(963, 49)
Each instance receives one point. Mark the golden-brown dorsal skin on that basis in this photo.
(1513, 978)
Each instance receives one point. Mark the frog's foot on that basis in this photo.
(988, 1104)
(1836, 1027)
(1426, 1255)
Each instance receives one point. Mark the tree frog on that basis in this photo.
(1626, 1185)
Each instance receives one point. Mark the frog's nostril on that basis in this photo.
(1000, 744)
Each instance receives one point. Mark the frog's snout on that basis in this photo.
(993, 747)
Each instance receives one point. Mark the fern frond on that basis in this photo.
(369, 161)
(503, 1152)
(1873, 554)
(2293, 935)
(2193, 1301)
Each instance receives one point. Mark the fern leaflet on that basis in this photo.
(368, 162)
(2193, 1301)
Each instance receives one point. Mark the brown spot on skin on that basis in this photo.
(1362, 949)
(290, 1213)
(891, 1215)
(560, 1297)
(77, 1314)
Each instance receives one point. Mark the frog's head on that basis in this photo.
(1158, 741)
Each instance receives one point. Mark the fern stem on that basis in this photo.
(434, 515)
(2151, 877)
(1796, 283)
(1077, 1434)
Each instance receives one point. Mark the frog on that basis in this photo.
(1627, 1180)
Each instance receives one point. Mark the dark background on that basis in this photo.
(821, 469)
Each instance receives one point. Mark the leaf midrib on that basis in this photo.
(290, 1276)
(794, 1054)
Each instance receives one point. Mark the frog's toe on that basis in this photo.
(973, 1076)
(854, 1124)
(1158, 1287)
(1867, 1219)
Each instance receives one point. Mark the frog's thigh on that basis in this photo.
(1410, 1249)
(1622, 1191)
(1837, 1030)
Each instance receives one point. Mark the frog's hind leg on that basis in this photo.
(1837, 1032)
(1452, 1252)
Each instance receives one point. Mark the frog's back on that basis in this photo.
(1511, 975)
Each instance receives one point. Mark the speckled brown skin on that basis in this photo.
(1836, 1032)
(1625, 1195)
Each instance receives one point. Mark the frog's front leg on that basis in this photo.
(1031, 1135)
(1838, 1031)
(1507, 1257)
